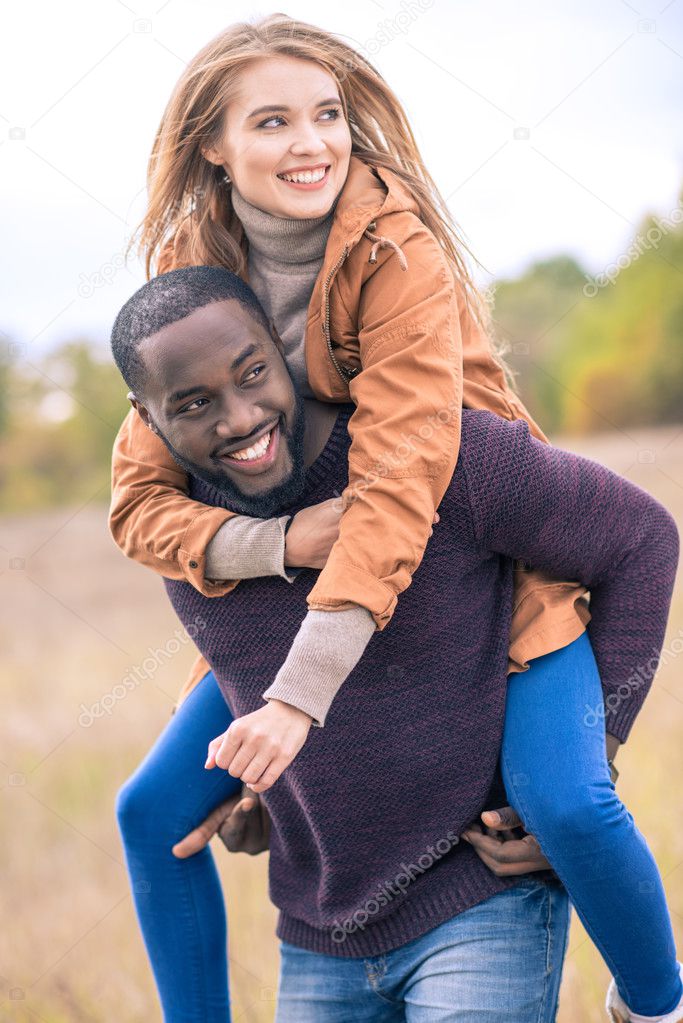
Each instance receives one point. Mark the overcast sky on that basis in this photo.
(550, 126)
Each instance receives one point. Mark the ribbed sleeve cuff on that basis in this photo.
(621, 713)
(248, 548)
(325, 651)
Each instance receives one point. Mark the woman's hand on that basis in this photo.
(313, 533)
(259, 746)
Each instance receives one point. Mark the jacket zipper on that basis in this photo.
(345, 374)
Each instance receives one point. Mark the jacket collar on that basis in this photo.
(368, 193)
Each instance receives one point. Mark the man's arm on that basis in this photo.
(576, 519)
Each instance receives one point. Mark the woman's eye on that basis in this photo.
(332, 110)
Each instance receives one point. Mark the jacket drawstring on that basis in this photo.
(381, 241)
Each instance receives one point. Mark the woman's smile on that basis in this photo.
(309, 179)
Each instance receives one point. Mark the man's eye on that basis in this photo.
(192, 405)
(253, 373)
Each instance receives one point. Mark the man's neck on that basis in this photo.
(320, 419)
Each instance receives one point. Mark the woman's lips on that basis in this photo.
(264, 461)
(307, 186)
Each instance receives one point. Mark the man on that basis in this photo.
(382, 908)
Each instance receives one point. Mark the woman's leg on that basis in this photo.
(180, 902)
(557, 779)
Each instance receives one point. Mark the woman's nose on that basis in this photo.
(308, 140)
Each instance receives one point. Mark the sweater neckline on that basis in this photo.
(335, 443)
(283, 239)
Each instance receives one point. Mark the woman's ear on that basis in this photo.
(211, 154)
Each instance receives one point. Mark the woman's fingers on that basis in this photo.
(214, 747)
(231, 755)
(271, 775)
(255, 768)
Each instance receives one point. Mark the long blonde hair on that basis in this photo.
(189, 207)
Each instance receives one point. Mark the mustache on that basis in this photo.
(235, 443)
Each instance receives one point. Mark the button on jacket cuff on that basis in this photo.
(192, 551)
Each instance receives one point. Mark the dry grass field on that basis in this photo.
(76, 617)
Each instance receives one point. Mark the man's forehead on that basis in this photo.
(208, 337)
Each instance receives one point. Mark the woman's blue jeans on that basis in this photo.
(556, 775)
(179, 903)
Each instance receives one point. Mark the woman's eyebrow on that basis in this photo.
(272, 107)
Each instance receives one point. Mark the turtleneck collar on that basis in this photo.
(283, 239)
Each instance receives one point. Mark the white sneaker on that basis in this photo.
(619, 1011)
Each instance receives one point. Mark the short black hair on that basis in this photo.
(165, 300)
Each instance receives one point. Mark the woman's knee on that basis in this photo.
(579, 812)
(135, 804)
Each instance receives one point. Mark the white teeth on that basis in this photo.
(255, 451)
(305, 177)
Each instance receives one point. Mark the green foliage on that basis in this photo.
(58, 419)
(596, 354)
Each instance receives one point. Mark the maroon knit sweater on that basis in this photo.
(364, 850)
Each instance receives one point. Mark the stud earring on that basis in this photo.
(227, 179)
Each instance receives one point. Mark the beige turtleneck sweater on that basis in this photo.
(284, 259)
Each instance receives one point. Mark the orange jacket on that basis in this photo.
(385, 303)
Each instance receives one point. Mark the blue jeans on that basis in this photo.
(556, 775)
(179, 903)
(499, 961)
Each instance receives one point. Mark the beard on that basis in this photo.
(279, 497)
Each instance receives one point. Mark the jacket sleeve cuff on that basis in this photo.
(325, 651)
(341, 586)
(248, 548)
(192, 551)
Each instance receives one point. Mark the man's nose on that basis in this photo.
(239, 421)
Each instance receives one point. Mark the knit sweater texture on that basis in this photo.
(364, 850)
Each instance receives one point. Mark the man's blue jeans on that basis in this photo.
(498, 962)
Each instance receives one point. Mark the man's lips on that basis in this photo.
(263, 461)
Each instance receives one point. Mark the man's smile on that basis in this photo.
(256, 456)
